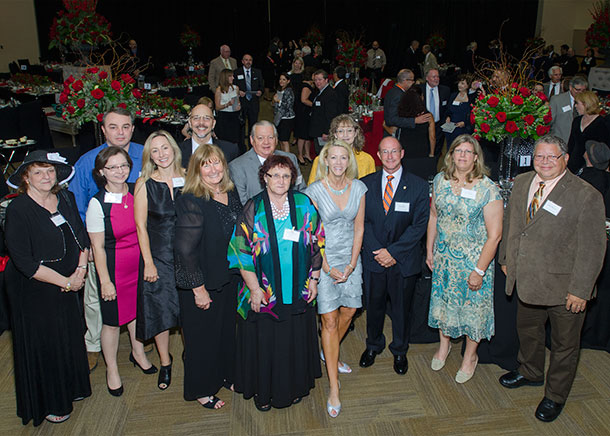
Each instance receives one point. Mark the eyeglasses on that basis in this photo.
(386, 152)
(549, 157)
(116, 168)
(277, 177)
(466, 152)
(348, 131)
(201, 117)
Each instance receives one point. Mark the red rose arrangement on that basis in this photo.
(352, 54)
(89, 97)
(79, 24)
(189, 38)
(516, 112)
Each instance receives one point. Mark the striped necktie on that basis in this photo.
(388, 193)
(535, 204)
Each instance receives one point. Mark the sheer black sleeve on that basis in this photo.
(18, 238)
(188, 242)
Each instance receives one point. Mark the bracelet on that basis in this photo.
(328, 273)
(479, 271)
(350, 265)
(317, 279)
(82, 266)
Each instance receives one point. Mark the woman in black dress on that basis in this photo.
(48, 249)
(302, 111)
(206, 214)
(156, 191)
(418, 142)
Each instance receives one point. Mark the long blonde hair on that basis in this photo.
(149, 167)
(479, 169)
(193, 184)
(352, 166)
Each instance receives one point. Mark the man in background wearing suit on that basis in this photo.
(412, 58)
(218, 64)
(244, 169)
(395, 219)
(436, 98)
(552, 251)
(404, 81)
(430, 62)
(553, 87)
(341, 89)
(250, 83)
(324, 109)
(562, 108)
(202, 122)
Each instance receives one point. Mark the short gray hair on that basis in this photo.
(552, 139)
(579, 80)
(555, 67)
(404, 75)
(263, 123)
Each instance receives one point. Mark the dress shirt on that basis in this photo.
(195, 144)
(375, 58)
(320, 93)
(227, 63)
(437, 106)
(395, 181)
(337, 82)
(555, 88)
(548, 187)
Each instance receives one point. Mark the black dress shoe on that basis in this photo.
(514, 379)
(401, 364)
(367, 358)
(548, 410)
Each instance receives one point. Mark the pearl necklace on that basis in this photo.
(280, 214)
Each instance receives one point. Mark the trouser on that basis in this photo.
(378, 288)
(93, 313)
(249, 110)
(565, 346)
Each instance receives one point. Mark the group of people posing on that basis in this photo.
(240, 254)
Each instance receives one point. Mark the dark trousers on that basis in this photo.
(378, 288)
(250, 110)
(565, 346)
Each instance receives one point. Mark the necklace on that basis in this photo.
(455, 186)
(337, 192)
(280, 214)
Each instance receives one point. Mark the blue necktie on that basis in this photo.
(432, 104)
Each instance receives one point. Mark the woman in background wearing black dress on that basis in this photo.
(48, 249)
(418, 142)
(206, 214)
(156, 191)
(458, 111)
(302, 111)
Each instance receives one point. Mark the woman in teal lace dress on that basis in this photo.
(464, 230)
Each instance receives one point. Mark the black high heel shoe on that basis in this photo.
(153, 369)
(165, 374)
(115, 392)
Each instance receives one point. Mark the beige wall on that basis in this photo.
(18, 33)
(564, 22)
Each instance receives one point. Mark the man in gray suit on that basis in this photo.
(562, 108)
(552, 251)
(244, 169)
(218, 64)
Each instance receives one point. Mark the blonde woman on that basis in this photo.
(339, 198)
(156, 191)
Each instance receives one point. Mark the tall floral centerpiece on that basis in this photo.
(510, 113)
(79, 28)
(190, 39)
(598, 33)
(436, 42)
(352, 55)
(87, 98)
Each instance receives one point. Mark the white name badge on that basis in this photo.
(318, 103)
(455, 103)
(299, 180)
(58, 219)
(469, 193)
(378, 57)
(567, 108)
(178, 182)
(525, 161)
(240, 77)
(291, 235)
(191, 68)
(444, 103)
(551, 207)
(147, 86)
(401, 206)
(113, 197)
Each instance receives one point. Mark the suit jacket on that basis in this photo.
(229, 149)
(256, 81)
(554, 255)
(342, 97)
(562, 119)
(412, 60)
(399, 232)
(324, 109)
(430, 63)
(244, 173)
(547, 88)
(216, 66)
(444, 93)
(390, 110)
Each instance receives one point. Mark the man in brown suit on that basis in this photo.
(218, 64)
(552, 251)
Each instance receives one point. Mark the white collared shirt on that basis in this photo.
(195, 144)
(337, 82)
(437, 105)
(395, 181)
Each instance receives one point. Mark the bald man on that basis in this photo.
(218, 64)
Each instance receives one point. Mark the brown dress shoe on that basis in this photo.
(92, 359)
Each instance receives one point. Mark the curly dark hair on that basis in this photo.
(276, 160)
(411, 104)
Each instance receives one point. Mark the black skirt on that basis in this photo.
(277, 361)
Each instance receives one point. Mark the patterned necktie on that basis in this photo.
(248, 86)
(388, 193)
(535, 204)
(432, 104)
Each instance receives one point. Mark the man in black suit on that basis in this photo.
(437, 99)
(250, 83)
(413, 57)
(324, 109)
(404, 81)
(395, 220)
(202, 122)
(341, 89)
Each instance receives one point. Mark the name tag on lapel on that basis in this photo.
(178, 182)
(551, 207)
(291, 235)
(58, 219)
(113, 197)
(469, 193)
(318, 103)
(240, 77)
(402, 206)
(444, 103)
(567, 108)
